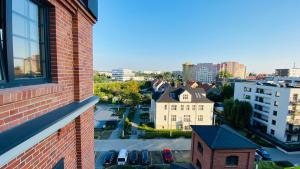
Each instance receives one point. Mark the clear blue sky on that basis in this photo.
(162, 34)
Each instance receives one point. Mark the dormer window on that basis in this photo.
(185, 97)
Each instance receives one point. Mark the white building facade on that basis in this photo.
(276, 108)
(206, 72)
(122, 74)
(178, 108)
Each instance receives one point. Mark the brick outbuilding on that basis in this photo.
(220, 147)
(46, 86)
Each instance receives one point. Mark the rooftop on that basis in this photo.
(223, 137)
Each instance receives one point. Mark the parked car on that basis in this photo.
(257, 157)
(134, 157)
(167, 155)
(145, 157)
(109, 158)
(122, 157)
(264, 154)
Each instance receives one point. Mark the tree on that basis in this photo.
(227, 91)
(215, 97)
(224, 75)
(237, 113)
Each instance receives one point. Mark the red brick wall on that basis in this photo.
(71, 70)
(216, 159)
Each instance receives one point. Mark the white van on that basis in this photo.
(122, 157)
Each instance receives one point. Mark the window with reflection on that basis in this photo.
(23, 44)
(232, 160)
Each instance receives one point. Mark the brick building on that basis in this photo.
(46, 86)
(220, 147)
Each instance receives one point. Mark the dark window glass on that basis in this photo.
(198, 164)
(274, 122)
(60, 164)
(232, 160)
(200, 148)
(272, 132)
(275, 113)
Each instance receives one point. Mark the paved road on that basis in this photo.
(135, 123)
(140, 144)
(116, 133)
(278, 155)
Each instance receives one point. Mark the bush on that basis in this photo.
(284, 163)
(144, 116)
(167, 134)
(131, 114)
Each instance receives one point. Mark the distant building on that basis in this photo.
(293, 72)
(178, 108)
(236, 69)
(188, 72)
(152, 72)
(105, 73)
(220, 147)
(122, 74)
(276, 106)
(138, 78)
(206, 72)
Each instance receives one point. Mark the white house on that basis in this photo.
(276, 107)
(122, 74)
(178, 108)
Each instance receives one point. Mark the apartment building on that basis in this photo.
(188, 72)
(46, 95)
(293, 72)
(206, 72)
(220, 147)
(180, 107)
(236, 69)
(122, 74)
(276, 107)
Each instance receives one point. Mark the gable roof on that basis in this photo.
(222, 137)
(171, 95)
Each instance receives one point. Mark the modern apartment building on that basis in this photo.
(188, 72)
(236, 69)
(206, 72)
(46, 95)
(276, 107)
(178, 108)
(220, 147)
(293, 72)
(122, 74)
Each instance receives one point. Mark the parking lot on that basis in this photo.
(181, 156)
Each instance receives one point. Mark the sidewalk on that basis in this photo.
(135, 123)
(116, 133)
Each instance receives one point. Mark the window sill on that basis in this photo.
(15, 94)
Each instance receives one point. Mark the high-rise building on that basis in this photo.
(293, 72)
(206, 72)
(236, 69)
(47, 110)
(122, 74)
(276, 106)
(188, 72)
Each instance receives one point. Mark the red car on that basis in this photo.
(167, 155)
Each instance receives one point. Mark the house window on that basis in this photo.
(274, 122)
(276, 103)
(187, 127)
(173, 117)
(185, 97)
(274, 113)
(24, 44)
(59, 165)
(166, 107)
(200, 107)
(232, 160)
(200, 117)
(187, 118)
(198, 164)
(173, 107)
(187, 107)
(200, 147)
(272, 132)
(165, 118)
(193, 107)
(277, 94)
(182, 107)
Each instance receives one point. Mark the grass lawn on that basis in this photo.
(256, 139)
(268, 165)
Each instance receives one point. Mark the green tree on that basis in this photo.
(237, 113)
(224, 74)
(227, 91)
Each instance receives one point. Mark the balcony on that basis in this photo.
(293, 131)
(263, 121)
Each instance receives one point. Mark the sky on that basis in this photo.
(163, 34)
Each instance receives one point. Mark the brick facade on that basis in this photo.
(71, 69)
(216, 159)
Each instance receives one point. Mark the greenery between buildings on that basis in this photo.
(256, 139)
(119, 112)
(225, 92)
(150, 133)
(127, 129)
(144, 116)
(131, 114)
(237, 113)
(268, 165)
